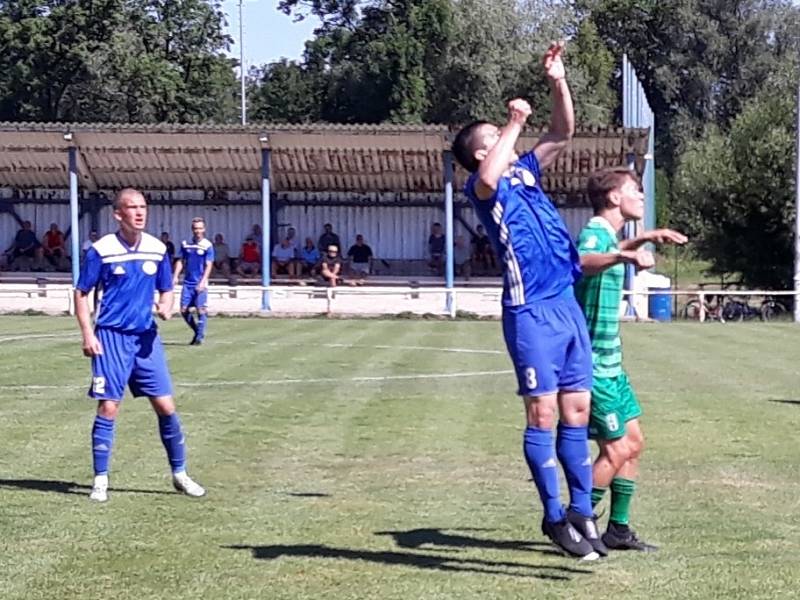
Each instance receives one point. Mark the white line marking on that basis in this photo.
(34, 336)
(271, 344)
(264, 382)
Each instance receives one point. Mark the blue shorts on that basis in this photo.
(133, 359)
(191, 297)
(549, 346)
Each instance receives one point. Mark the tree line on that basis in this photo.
(720, 76)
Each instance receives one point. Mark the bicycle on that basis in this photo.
(712, 306)
(773, 309)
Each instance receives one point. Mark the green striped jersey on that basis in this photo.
(600, 296)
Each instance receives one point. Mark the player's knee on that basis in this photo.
(202, 311)
(617, 452)
(107, 409)
(635, 447)
(541, 412)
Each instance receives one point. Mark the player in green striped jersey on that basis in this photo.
(616, 197)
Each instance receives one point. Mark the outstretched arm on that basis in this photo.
(656, 236)
(562, 117)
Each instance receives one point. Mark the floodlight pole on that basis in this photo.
(797, 216)
(448, 217)
(265, 225)
(74, 241)
(241, 63)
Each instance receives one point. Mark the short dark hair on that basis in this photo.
(601, 183)
(464, 146)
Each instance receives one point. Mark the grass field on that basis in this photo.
(369, 459)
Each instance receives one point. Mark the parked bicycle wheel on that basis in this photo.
(691, 310)
(733, 310)
(773, 311)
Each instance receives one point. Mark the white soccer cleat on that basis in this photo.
(99, 489)
(185, 485)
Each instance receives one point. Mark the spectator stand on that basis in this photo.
(387, 182)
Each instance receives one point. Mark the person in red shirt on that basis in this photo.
(249, 258)
(53, 244)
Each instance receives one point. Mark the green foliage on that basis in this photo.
(699, 60)
(733, 192)
(114, 60)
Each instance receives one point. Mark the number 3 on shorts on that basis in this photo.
(99, 385)
(530, 378)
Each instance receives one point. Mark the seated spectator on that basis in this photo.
(360, 255)
(462, 257)
(222, 256)
(39, 262)
(93, 237)
(283, 262)
(309, 258)
(53, 245)
(436, 248)
(170, 247)
(483, 253)
(257, 233)
(328, 238)
(249, 258)
(291, 235)
(330, 267)
(24, 245)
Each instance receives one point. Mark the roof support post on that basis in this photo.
(265, 225)
(448, 218)
(74, 241)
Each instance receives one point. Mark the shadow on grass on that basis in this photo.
(418, 561)
(65, 487)
(784, 401)
(414, 538)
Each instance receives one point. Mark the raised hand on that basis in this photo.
(553, 65)
(666, 236)
(518, 111)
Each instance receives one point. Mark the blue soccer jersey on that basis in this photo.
(195, 256)
(130, 276)
(540, 260)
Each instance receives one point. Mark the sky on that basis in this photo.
(268, 34)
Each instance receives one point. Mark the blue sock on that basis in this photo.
(572, 446)
(189, 318)
(102, 442)
(172, 437)
(202, 320)
(541, 458)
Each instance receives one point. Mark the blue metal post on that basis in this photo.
(75, 245)
(448, 217)
(265, 228)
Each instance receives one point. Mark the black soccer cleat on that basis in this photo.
(587, 527)
(568, 540)
(622, 537)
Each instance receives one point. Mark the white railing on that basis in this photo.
(366, 300)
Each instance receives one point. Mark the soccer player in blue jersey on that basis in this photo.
(544, 328)
(196, 261)
(123, 343)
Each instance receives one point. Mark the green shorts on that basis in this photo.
(614, 403)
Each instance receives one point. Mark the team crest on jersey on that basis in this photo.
(591, 243)
(119, 270)
(149, 267)
(522, 176)
(201, 252)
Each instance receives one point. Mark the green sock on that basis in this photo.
(597, 495)
(622, 491)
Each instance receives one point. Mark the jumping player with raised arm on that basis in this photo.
(544, 329)
(616, 197)
(124, 344)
